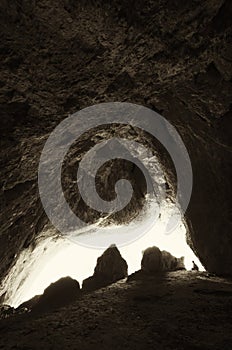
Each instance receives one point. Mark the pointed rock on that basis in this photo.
(110, 268)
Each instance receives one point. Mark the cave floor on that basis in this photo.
(179, 310)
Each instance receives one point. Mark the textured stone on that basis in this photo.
(110, 268)
(174, 57)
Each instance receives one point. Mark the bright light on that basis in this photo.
(56, 258)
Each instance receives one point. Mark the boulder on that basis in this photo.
(58, 294)
(171, 263)
(154, 261)
(110, 268)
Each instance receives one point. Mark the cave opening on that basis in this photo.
(160, 222)
(53, 256)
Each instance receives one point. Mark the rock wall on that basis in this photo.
(172, 56)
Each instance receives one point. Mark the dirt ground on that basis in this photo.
(178, 310)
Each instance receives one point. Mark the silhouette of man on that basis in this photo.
(195, 267)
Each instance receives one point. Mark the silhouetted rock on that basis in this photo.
(29, 304)
(58, 294)
(152, 260)
(155, 260)
(110, 268)
(170, 262)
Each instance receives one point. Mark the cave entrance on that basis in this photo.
(54, 257)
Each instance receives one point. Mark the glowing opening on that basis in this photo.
(54, 258)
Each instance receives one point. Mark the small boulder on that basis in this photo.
(110, 268)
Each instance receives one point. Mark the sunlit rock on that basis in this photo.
(110, 268)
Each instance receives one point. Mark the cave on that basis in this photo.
(170, 60)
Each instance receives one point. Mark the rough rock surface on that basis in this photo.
(110, 268)
(171, 263)
(154, 260)
(172, 56)
(179, 310)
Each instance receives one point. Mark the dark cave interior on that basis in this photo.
(174, 57)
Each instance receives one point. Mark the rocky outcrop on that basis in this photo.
(174, 311)
(154, 261)
(60, 293)
(7, 311)
(171, 263)
(110, 268)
